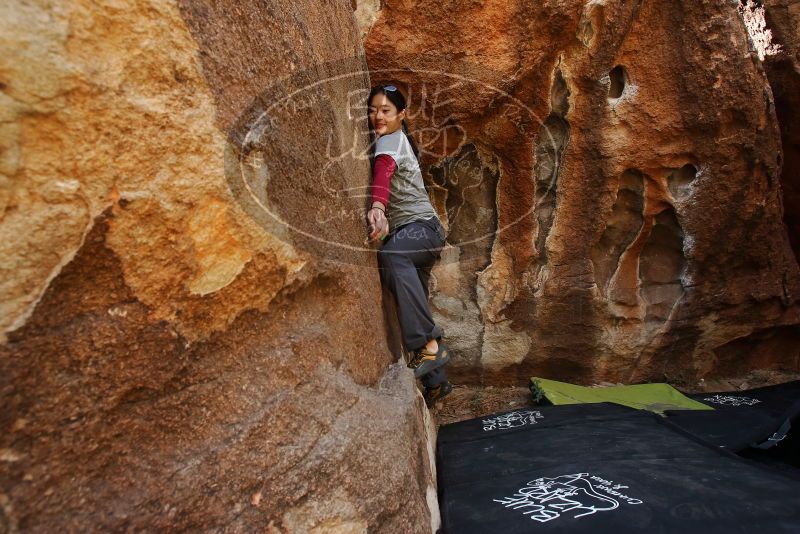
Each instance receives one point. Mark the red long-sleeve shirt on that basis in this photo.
(381, 178)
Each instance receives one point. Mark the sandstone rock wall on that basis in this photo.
(177, 356)
(628, 157)
(782, 21)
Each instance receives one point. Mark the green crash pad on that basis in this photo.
(652, 397)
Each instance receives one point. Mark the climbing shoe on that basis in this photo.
(423, 362)
(435, 393)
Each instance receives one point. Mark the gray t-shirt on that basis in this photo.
(408, 200)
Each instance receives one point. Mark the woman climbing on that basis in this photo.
(403, 217)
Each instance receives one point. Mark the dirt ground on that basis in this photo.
(467, 402)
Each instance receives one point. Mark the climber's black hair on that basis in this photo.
(395, 97)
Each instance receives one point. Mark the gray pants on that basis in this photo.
(405, 262)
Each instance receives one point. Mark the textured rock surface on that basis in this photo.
(783, 69)
(170, 361)
(632, 155)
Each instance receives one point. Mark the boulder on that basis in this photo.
(186, 347)
(610, 175)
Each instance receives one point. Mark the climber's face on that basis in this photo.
(383, 115)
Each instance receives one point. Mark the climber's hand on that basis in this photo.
(378, 225)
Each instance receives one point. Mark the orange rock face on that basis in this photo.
(193, 330)
(174, 358)
(611, 177)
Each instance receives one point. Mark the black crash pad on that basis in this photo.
(595, 468)
(773, 399)
(525, 418)
(748, 421)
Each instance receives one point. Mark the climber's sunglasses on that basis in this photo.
(390, 88)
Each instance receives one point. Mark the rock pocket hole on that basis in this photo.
(661, 266)
(623, 225)
(553, 138)
(680, 181)
(618, 77)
